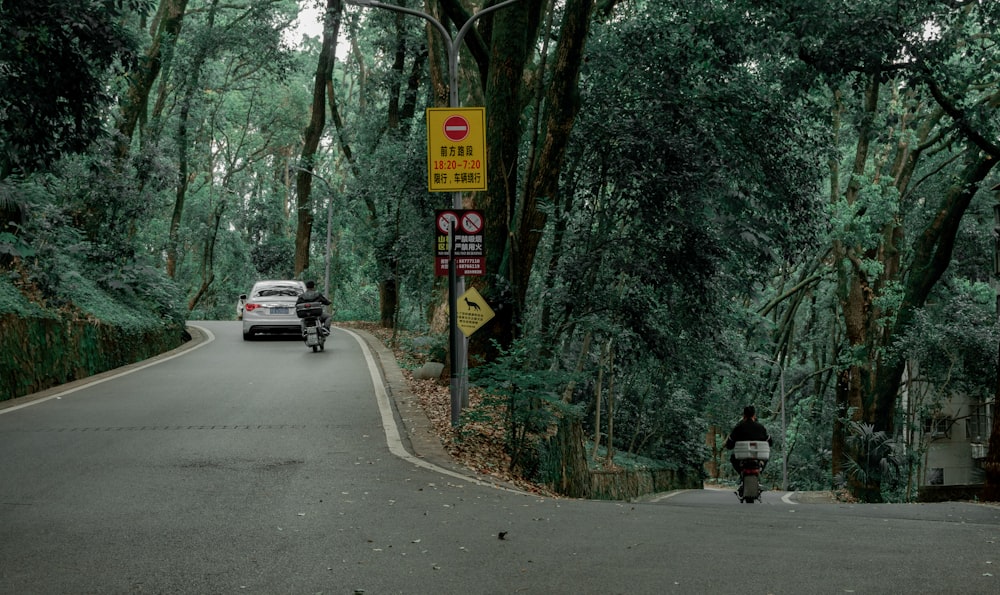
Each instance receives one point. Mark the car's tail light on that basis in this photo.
(251, 307)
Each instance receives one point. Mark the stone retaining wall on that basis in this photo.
(40, 352)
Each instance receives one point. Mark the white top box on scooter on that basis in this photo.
(752, 449)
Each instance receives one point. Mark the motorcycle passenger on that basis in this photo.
(312, 295)
(748, 429)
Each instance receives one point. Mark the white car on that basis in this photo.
(269, 308)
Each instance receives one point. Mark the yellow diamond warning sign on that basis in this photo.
(472, 312)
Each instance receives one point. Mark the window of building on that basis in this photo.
(980, 423)
(937, 427)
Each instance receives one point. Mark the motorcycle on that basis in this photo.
(752, 457)
(313, 332)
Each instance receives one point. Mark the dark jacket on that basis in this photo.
(748, 429)
(311, 295)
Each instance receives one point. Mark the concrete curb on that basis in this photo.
(416, 430)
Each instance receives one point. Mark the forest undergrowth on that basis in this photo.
(478, 444)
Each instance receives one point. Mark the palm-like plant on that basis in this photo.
(871, 462)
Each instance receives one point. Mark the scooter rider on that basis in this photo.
(312, 295)
(748, 429)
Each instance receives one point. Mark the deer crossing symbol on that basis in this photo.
(472, 305)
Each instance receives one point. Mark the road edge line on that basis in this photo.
(59, 392)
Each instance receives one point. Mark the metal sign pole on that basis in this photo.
(453, 338)
(460, 343)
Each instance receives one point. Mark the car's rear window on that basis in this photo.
(278, 291)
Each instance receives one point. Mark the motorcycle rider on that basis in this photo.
(311, 294)
(748, 429)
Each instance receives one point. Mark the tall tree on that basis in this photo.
(314, 133)
(191, 86)
(921, 150)
(164, 32)
(513, 33)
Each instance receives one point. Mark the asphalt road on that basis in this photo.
(261, 467)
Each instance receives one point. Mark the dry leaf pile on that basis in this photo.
(475, 444)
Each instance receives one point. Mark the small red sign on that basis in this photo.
(456, 128)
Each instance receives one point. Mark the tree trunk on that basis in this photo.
(182, 148)
(566, 447)
(166, 29)
(512, 36)
(208, 256)
(561, 106)
(598, 399)
(855, 298)
(401, 109)
(515, 229)
(868, 390)
(611, 403)
(313, 135)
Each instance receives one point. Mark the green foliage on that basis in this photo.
(808, 443)
(529, 397)
(660, 237)
(12, 301)
(274, 258)
(54, 64)
(667, 424)
(872, 466)
(85, 276)
(427, 348)
(11, 246)
(863, 222)
(954, 340)
(91, 332)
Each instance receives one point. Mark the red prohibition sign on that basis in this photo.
(456, 128)
(472, 222)
(446, 221)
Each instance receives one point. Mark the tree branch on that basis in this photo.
(961, 120)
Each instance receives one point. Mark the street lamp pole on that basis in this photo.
(456, 284)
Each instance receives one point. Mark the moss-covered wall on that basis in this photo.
(42, 348)
(41, 352)
(631, 484)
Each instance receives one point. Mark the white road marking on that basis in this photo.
(87, 383)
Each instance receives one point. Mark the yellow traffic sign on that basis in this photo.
(456, 149)
(472, 312)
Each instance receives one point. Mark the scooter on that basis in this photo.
(313, 332)
(752, 456)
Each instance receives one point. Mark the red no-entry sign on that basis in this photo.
(456, 149)
(456, 128)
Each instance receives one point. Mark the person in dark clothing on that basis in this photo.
(748, 429)
(312, 295)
